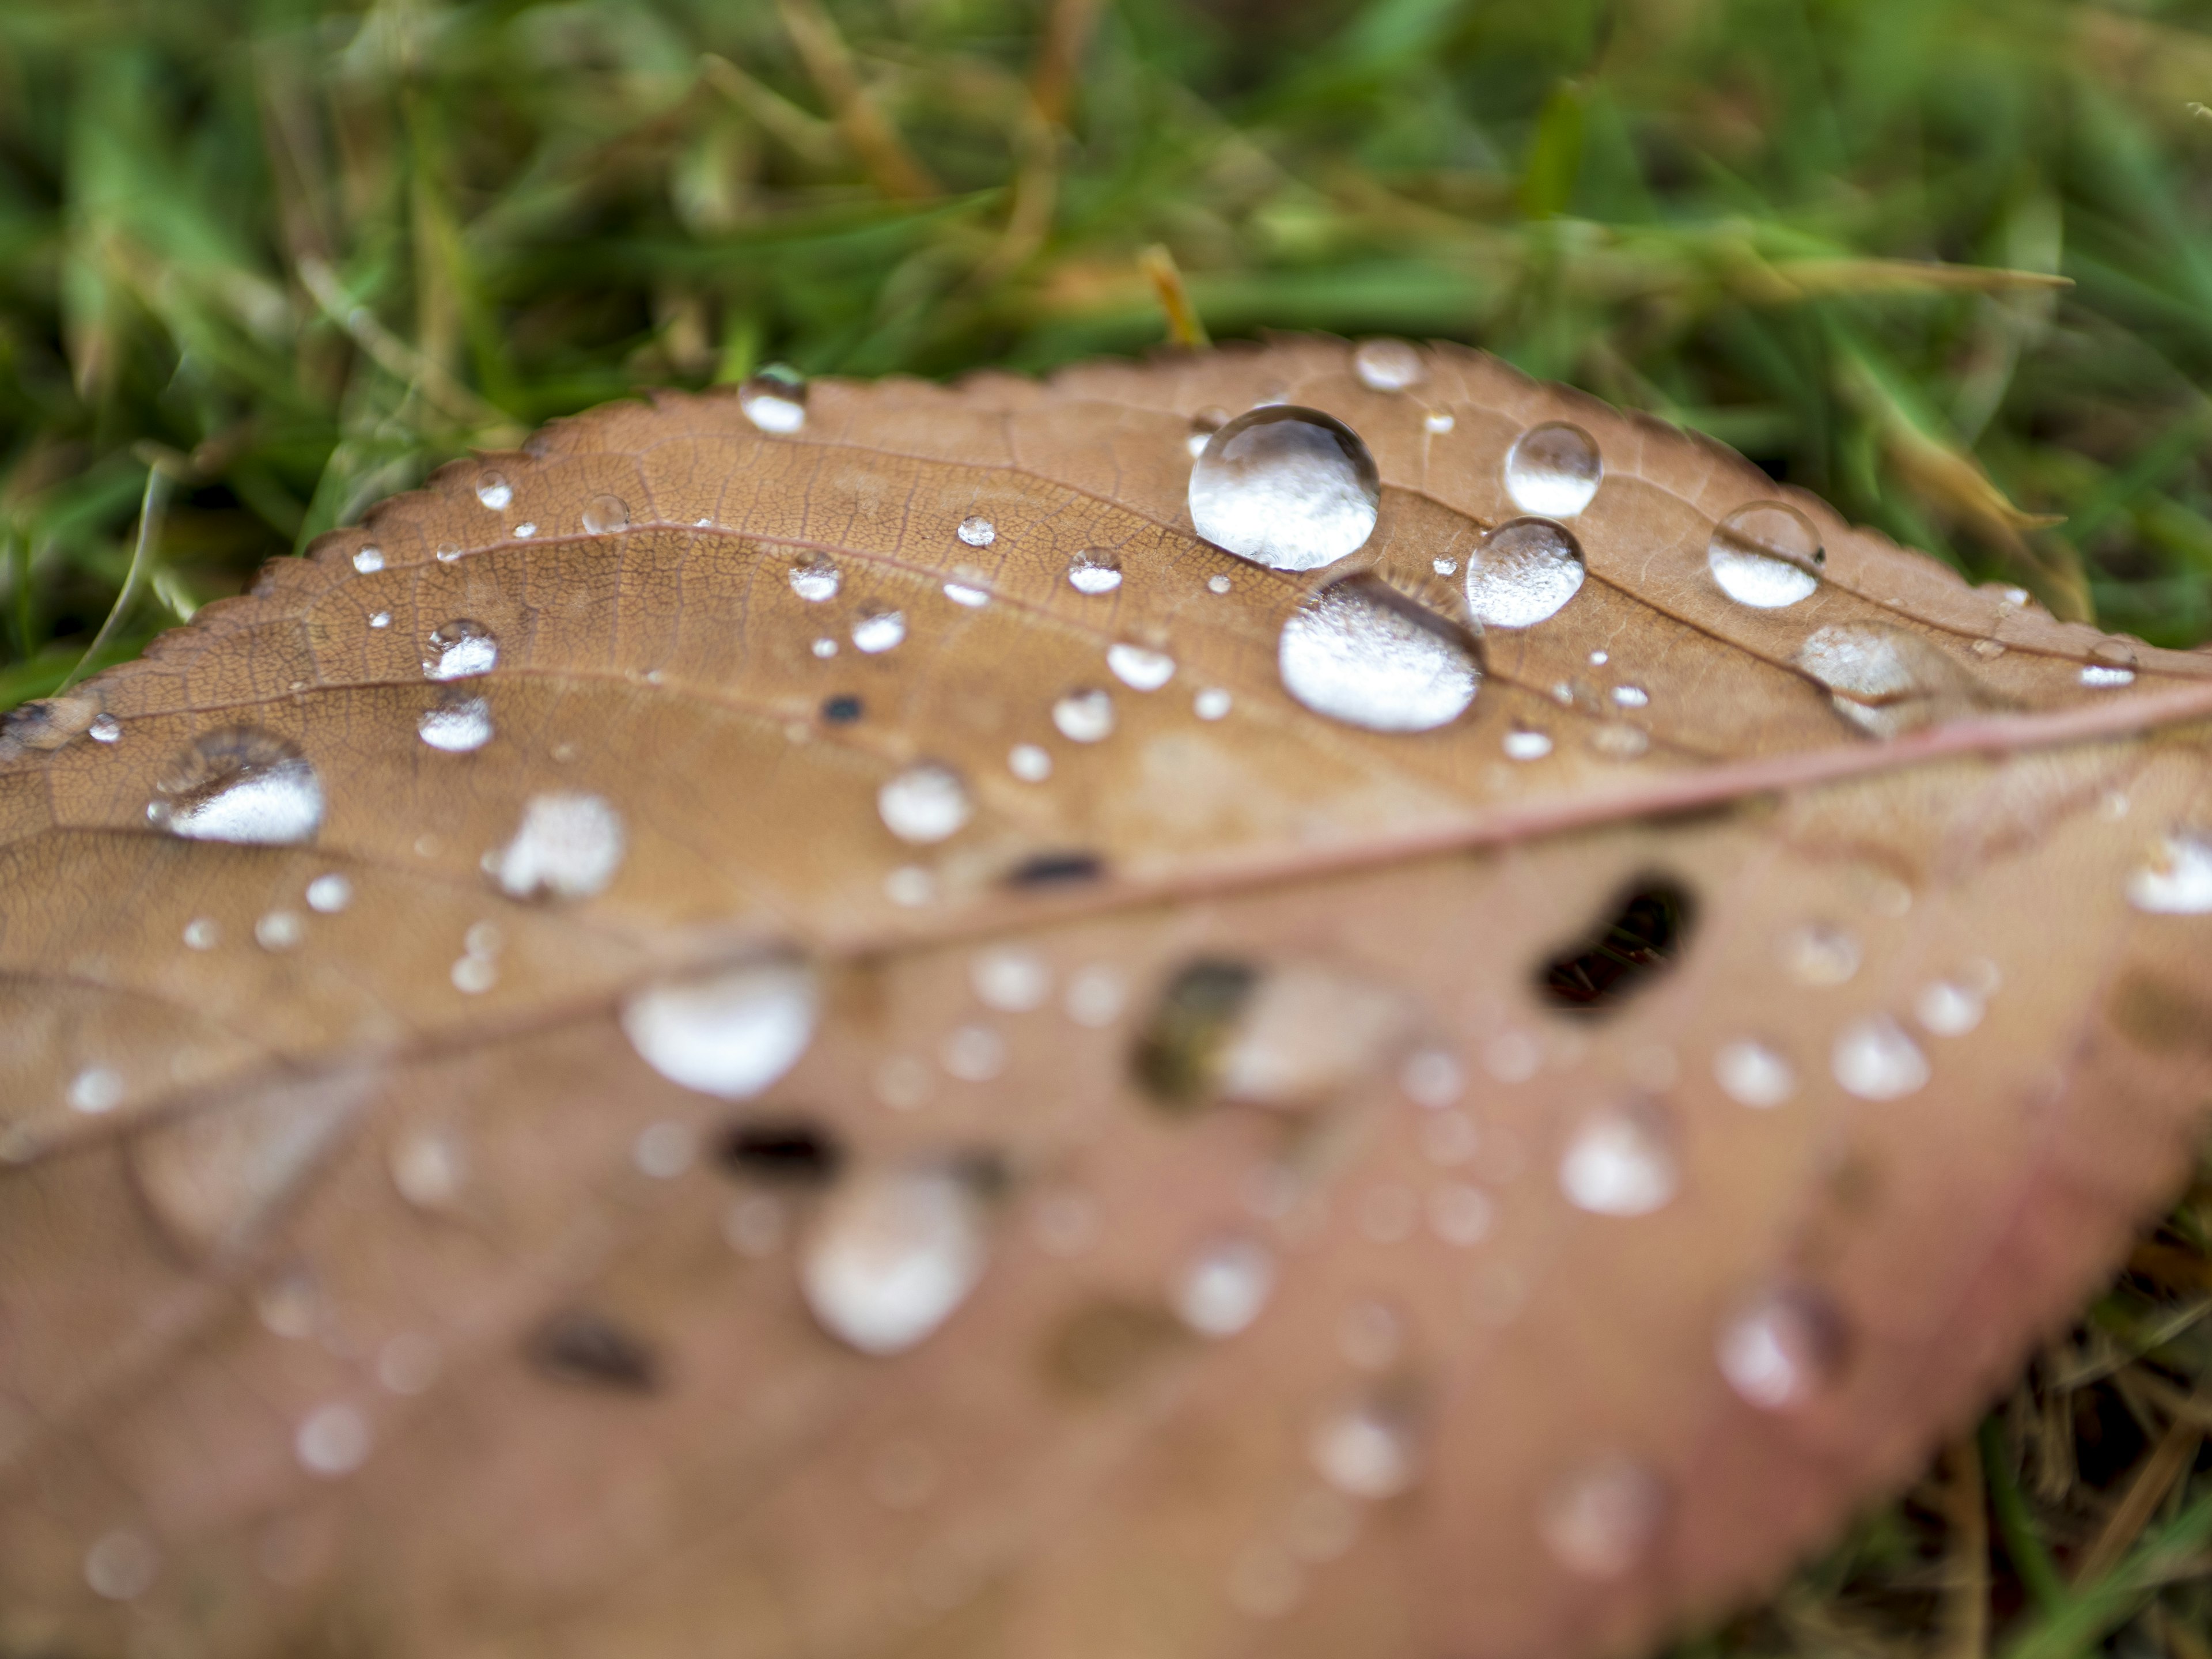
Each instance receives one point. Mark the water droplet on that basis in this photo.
(816, 580)
(606, 514)
(1368, 1449)
(975, 599)
(878, 632)
(731, 1032)
(1029, 762)
(664, 1151)
(974, 1053)
(1988, 650)
(473, 975)
(926, 803)
(774, 401)
(332, 1440)
(105, 728)
(1095, 570)
(1751, 1073)
(1781, 1349)
(1875, 1059)
(1552, 471)
(891, 1255)
(1096, 997)
(977, 531)
(1432, 1079)
(2104, 676)
(1885, 681)
(459, 649)
(1765, 556)
(1460, 1214)
(329, 893)
(1203, 426)
(201, 933)
(1438, 419)
(380, 619)
(568, 846)
(459, 726)
(242, 785)
(493, 491)
(1084, 716)
(911, 886)
(1211, 704)
(95, 1090)
(1818, 954)
(1444, 566)
(1361, 653)
(121, 1566)
(429, 1168)
(1946, 1008)
(280, 930)
(1285, 487)
(1630, 697)
(1222, 1289)
(1524, 743)
(1600, 1520)
(1217, 584)
(1010, 979)
(1621, 1162)
(2176, 880)
(825, 648)
(1388, 365)
(1522, 573)
(1139, 669)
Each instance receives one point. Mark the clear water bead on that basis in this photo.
(458, 649)
(891, 1255)
(380, 619)
(824, 648)
(1947, 1008)
(1095, 570)
(332, 1440)
(962, 593)
(1438, 419)
(242, 785)
(1367, 1450)
(569, 847)
(493, 491)
(878, 631)
(1600, 1520)
(1211, 704)
(368, 560)
(94, 1090)
(1781, 1349)
(2176, 880)
(1222, 1289)
(816, 579)
(729, 1032)
(1217, 584)
(1523, 573)
(1029, 762)
(1621, 1162)
(1361, 653)
(105, 728)
(1875, 1060)
(2102, 677)
(1630, 697)
(1753, 1073)
(1765, 556)
(926, 803)
(1086, 716)
(977, 531)
(604, 515)
(1139, 669)
(1552, 471)
(1524, 743)
(1010, 979)
(201, 933)
(774, 401)
(1287, 486)
(459, 727)
(1388, 365)
(281, 930)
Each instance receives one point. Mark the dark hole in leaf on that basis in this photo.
(1642, 934)
(783, 1150)
(841, 711)
(1175, 1052)
(1053, 869)
(579, 1346)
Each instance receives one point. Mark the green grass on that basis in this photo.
(285, 257)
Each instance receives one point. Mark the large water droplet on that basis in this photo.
(1287, 486)
(460, 648)
(606, 514)
(1782, 1348)
(1621, 1162)
(816, 579)
(459, 726)
(1222, 1289)
(926, 803)
(891, 1255)
(1095, 570)
(1521, 574)
(1752, 1074)
(878, 632)
(243, 786)
(1875, 1060)
(729, 1032)
(368, 560)
(1086, 716)
(774, 401)
(1362, 653)
(1368, 1447)
(1387, 365)
(494, 490)
(568, 846)
(1552, 471)
(1765, 556)
(2176, 880)
(1600, 1520)
(1139, 669)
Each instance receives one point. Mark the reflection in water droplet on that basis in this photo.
(1094, 570)
(1287, 486)
(1010, 979)
(816, 579)
(1552, 471)
(1521, 574)
(568, 846)
(1362, 653)
(121, 1566)
(878, 631)
(1818, 954)
(1751, 1073)
(368, 560)
(606, 514)
(460, 648)
(332, 1440)
(1387, 365)
(1781, 1349)
(95, 1090)
(977, 531)
(242, 785)
(1598, 1521)
(1765, 556)
(729, 1032)
(926, 803)
(1139, 669)
(2176, 880)
(890, 1256)
(1946, 1008)
(1367, 1449)
(1222, 1289)
(1522, 744)
(1621, 1162)
(459, 727)
(774, 401)
(1029, 762)
(1211, 704)
(1084, 716)
(493, 491)
(1875, 1059)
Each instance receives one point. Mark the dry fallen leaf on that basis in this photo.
(798, 1024)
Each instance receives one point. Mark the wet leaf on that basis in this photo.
(796, 1022)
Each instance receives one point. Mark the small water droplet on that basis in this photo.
(121, 1566)
(1947, 1008)
(1029, 762)
(568, 846)
(1361, 653)
(731, 1032)
(1222, 1289)
(201, 933)
(926, 803)
(1433, 1078)
(1617, 740)
(977, 531)
(1096, 997)
(974, 598)
(1139, 669)
(1765, 556)
(95, 1090)
(459, 726)
(1818, 954)
(1621, 1162)
(910, 886)
(891, 1255)
(1211, 704)
(1366, 1448)
(2176, 880)
(1630, 697)
(774, 401)
(280, 930)
(1598, 658)
(1086, 716)
(473, 975)
(1525, 744)
(1388, 365)
(2104, 676)
(1875, 1059)
(380, 619)
(604, 515)
(459, 649)
(878, 632)
(1010, 979)
(1285, 487)
(1438, 419)
(332, 1440)
(816, 579)
(1781, 1349)
(105, 728)
(1552, 471)
(242, 785)
(1523, 573)
(1600, 1520)
(1095, 570)
(447, 553)
(494, 490)
(664, 1151)
(329, 893)
(1752, 1074)
(825, 648)
(1988, 650)
(1203, 426)
(1459, 1214)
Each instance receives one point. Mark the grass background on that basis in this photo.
(264, 261)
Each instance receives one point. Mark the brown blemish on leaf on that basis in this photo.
(1105, 1346)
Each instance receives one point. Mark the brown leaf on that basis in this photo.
(799, 1023)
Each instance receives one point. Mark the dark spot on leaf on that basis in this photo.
(2156, 1014)
(783, 1149)
(1642, 935)
(579, 1346)
(841, 711)
(1177, 1051)
(1104, 1345)
(1056, 869)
